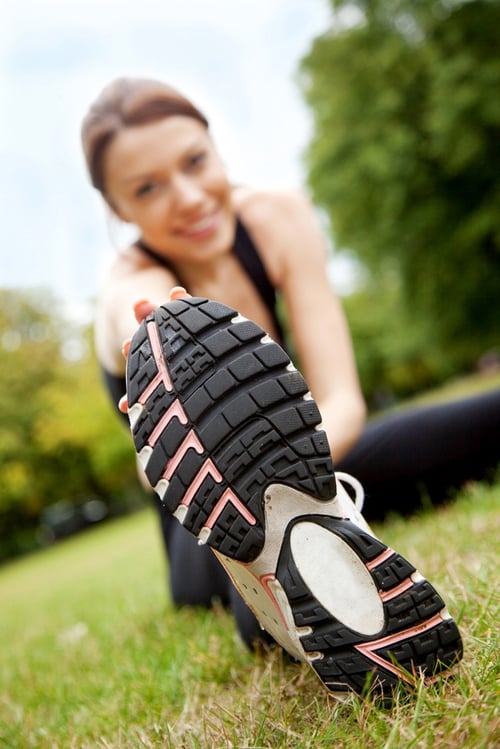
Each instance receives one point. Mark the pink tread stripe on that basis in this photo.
(154, 339)
(228, 496)
(388, 595)
(174, 410)
(162, 374)
(381, 558)
(191, 441)
(368, 648)
(208, 469)
(150, 388)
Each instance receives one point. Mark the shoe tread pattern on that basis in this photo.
(342, 666)
(247, 408)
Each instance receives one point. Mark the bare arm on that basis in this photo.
(116, 319)
(297, 255)
(125, 302)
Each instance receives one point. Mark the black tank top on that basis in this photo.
(246, 252)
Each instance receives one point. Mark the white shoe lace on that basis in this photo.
(359, 492)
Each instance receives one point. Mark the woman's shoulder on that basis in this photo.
(130, 275)
(261, 205)
(128, 261)
(282, 223)
(129, 265)
(272, 216)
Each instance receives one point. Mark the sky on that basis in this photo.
(237, 60)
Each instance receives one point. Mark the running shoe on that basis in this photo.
(230, 439)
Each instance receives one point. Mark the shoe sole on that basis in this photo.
(229, 438)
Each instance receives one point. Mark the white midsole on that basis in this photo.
(256, 580)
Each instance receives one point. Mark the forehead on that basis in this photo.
(142, 148)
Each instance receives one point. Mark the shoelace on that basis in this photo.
(356, 486)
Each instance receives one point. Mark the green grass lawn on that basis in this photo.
(93, 655)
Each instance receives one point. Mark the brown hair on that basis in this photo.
(123, 103)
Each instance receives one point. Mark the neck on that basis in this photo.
(205, 279)
(199, 278)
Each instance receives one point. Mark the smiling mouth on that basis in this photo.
(203, 226)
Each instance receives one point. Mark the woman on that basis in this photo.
(150, 154)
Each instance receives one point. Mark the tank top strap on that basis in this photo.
(246, 252)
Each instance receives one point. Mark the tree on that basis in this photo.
(405, 156)
(60, 442)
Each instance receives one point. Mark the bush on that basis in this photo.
(61, 445)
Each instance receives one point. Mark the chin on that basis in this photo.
(221, 241)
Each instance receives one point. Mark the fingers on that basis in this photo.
(126, 347)
(142, 309)
(177, 292)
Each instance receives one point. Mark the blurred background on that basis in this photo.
(386, 111)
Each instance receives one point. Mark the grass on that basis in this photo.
(93, 655)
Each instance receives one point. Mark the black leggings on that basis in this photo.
(422, 454)
(425, 453)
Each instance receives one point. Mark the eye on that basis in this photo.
(196, 160)
(145, 189)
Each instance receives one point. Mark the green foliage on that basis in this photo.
(393, 352)
(60, 442)
(405, 155)
(397, 352)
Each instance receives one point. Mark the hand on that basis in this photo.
(142, 309)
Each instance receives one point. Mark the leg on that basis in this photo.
(196, 577)
(428, 451)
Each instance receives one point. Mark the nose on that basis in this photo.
(188, 194)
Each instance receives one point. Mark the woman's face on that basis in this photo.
(167, 178)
